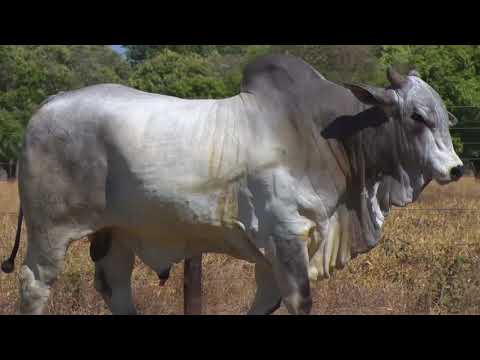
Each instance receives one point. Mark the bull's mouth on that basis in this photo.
(444, 182)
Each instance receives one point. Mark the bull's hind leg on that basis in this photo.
(47, 247)
(114, 262)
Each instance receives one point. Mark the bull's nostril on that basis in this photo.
(457, 172)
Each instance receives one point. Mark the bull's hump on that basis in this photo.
(282, 73)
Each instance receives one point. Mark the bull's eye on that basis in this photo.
(418, 117)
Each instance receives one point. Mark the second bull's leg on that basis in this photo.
(113, 274)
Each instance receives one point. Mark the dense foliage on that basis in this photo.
(184, 75)
(31, 73)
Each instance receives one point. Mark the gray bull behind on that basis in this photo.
(295, 174)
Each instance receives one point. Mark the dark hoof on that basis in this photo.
(8, 266)
(274, 308)
(100, 245)
(163, 277)
(306, 306)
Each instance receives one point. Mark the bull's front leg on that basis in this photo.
(290, 269)
(288, 277)
(267, 297)
(286, 235)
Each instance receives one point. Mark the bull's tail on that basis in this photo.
(9, 265)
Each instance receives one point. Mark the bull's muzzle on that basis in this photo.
(457, 172)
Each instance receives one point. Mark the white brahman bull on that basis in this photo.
(295, 174)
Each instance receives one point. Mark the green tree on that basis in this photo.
(10, 135)
(340, 63)
(183, 75)
(139, 53)
(31, 73)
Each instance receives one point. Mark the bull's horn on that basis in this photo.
(396, 79)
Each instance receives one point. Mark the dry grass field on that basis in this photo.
(428, 262)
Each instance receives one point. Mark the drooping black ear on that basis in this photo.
(452, 120)
(346, 126)
(371, 95)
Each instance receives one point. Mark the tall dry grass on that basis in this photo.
(428, 262)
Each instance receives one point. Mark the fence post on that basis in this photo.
(16, 169)
(192, 286)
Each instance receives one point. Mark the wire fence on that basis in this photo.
(394, 209)
(436, 210)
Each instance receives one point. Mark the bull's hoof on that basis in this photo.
(100, 244)
(163, 277)
(274, 308)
